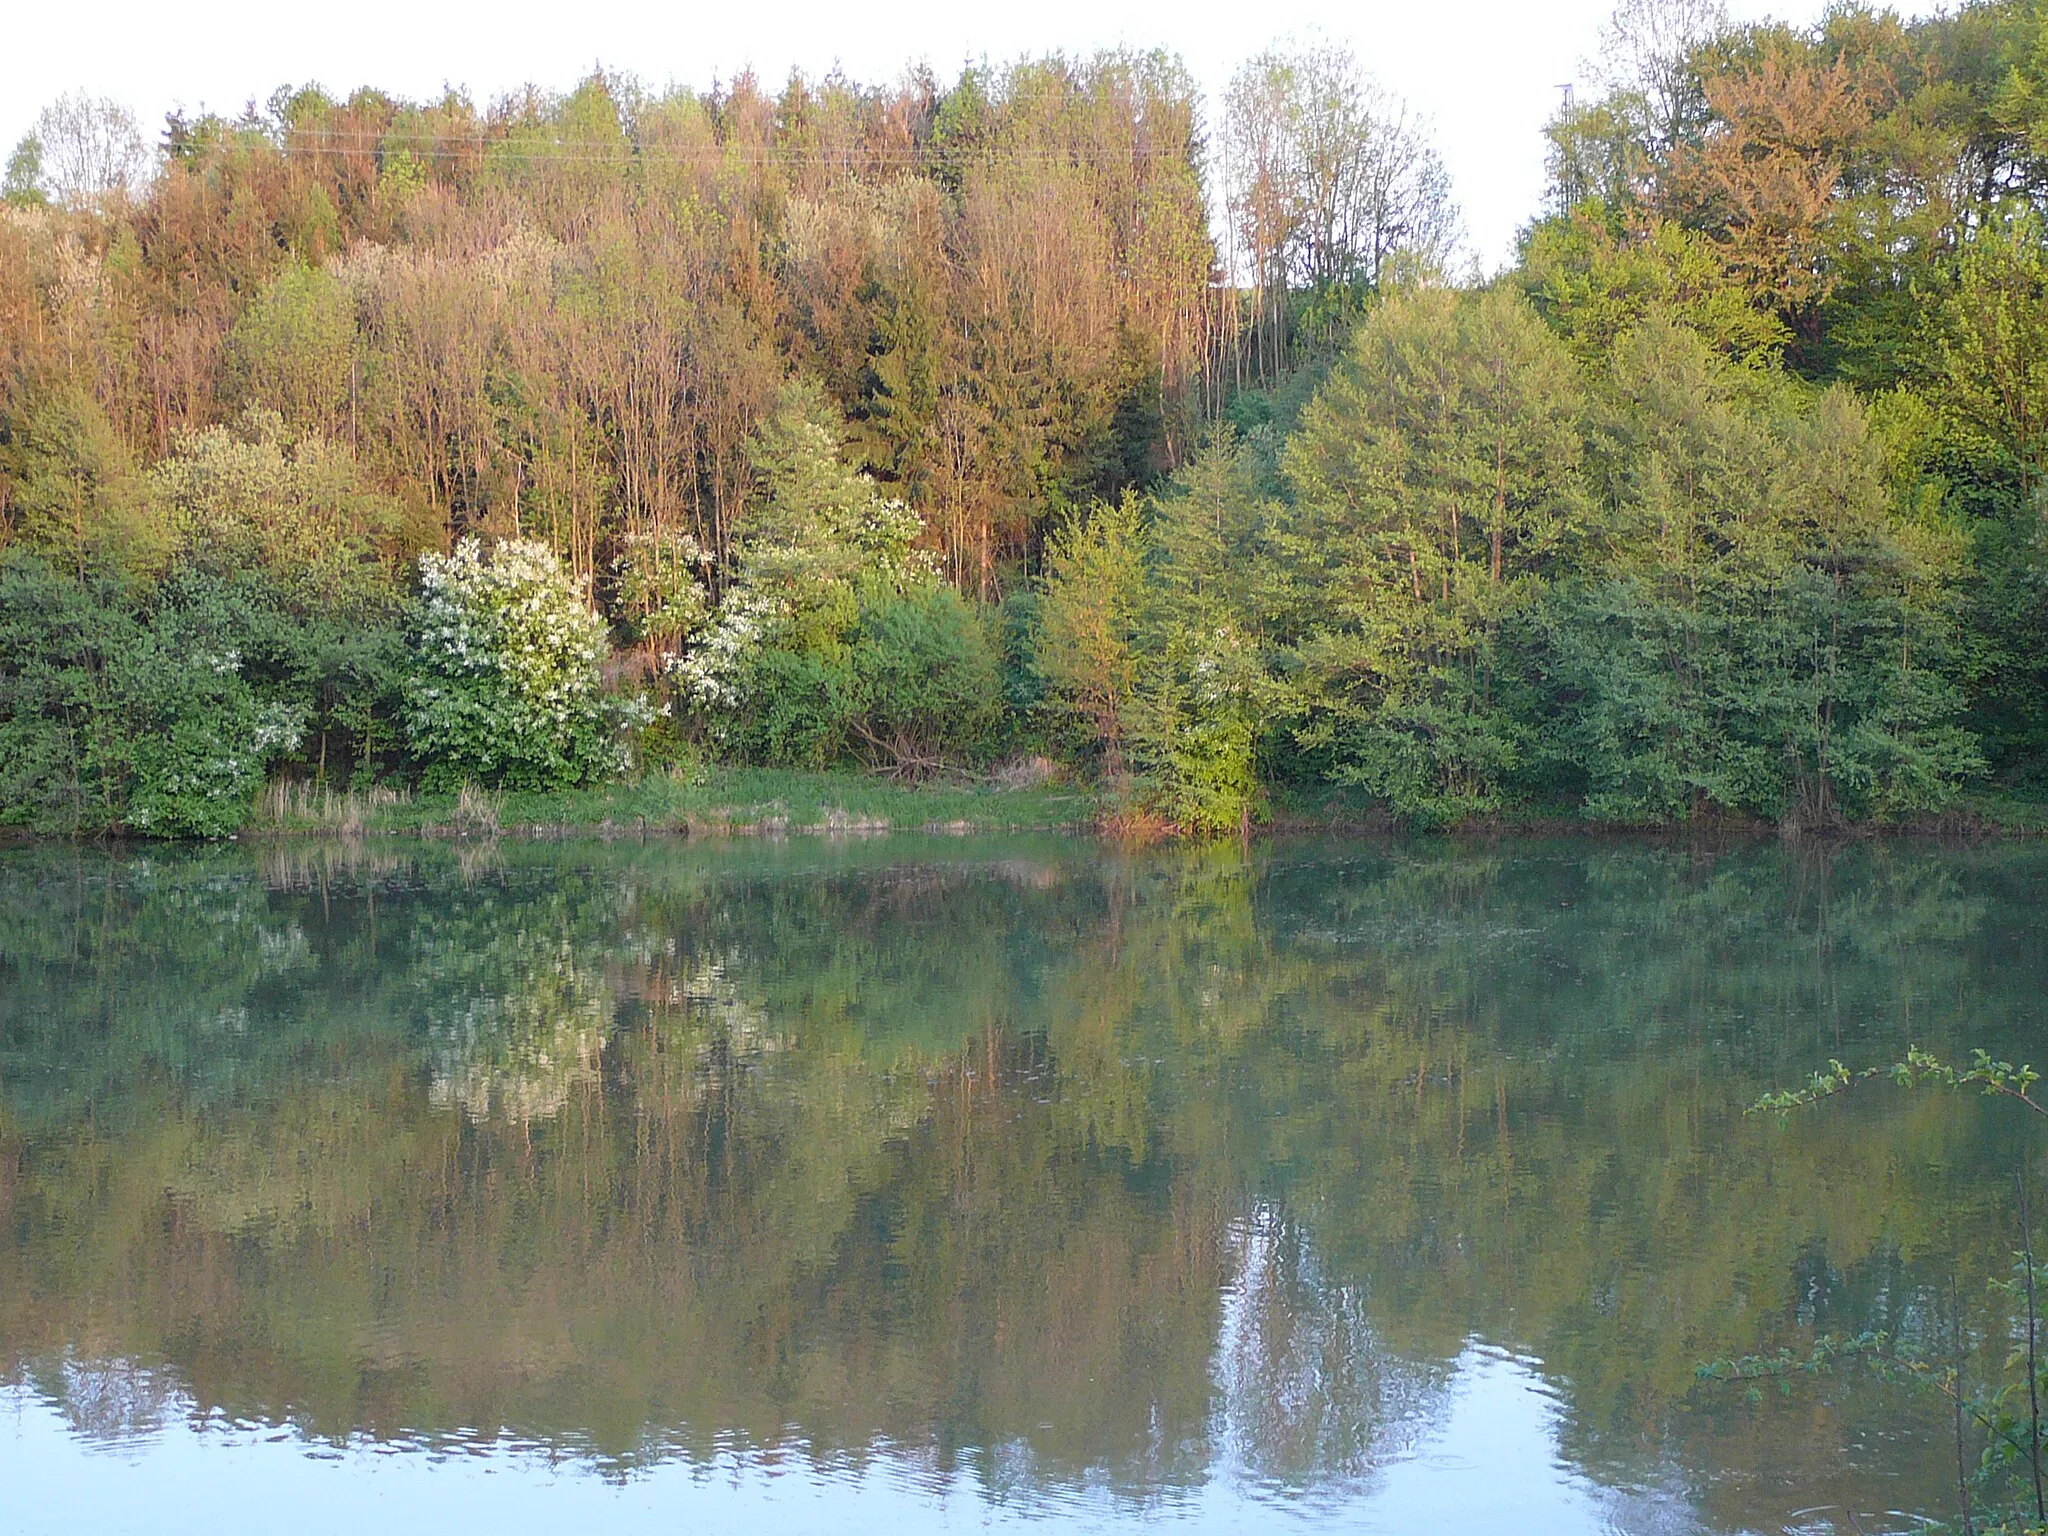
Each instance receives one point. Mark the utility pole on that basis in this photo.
(1568, 189)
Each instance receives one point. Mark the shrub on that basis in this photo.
(259, 497)
(506, 689)
(1091, 598)
(116, 716)
(914, 685)
(927, 686)
(1194, 735)
(797, 707)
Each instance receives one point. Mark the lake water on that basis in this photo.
(930, 1185)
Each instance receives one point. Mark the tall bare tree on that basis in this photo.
(1646, 49)
(1329, 178)
(92, 149)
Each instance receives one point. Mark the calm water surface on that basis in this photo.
(923, 1186)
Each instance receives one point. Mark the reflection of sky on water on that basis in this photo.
(1487, 1460)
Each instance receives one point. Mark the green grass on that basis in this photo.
(770, 800)
(2016, 812)
(1982, 809)
(700, 800)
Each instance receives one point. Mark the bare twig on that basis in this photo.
(2033, 1368)
(1962, 1471)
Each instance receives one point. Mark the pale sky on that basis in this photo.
(1486, 71)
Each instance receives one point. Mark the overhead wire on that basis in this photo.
(441, 146)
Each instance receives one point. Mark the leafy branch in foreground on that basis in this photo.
(1786, 1364)
(1916, 1069)
(2008, 1417)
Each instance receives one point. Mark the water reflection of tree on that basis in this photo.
(1053, 1165)
(1306, 1393)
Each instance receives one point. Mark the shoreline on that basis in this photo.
(776, 803)
(711, 802)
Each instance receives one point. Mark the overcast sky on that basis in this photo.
(1486, 71)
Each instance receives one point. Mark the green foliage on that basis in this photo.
(797, 706)
(293, 349)
(1206, 696)
(819, 530)
(1984, 348)
(506, 688)
(1196, 745)
(1915, 1069)
(1151, 635)
(259, 497)
(1767, 633)
(833, 639)
(1600, 158)
(401, 177)
(1594, 287)
(1783, 1365)
(1091, 597)
(926, 685)
(1437, 491)
(1789, 699)
(659, 583)
(1726, 501)
(75, 495)
(211, 616)
(820, 522)
(21, 184)
(1680, 584)
(912, 686)
(1015, 637)
(119, 718)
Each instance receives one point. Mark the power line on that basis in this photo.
(435, 146)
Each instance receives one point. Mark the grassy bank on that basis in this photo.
(708, 800)
(1979, 811)
(741, 800)
(733, 800)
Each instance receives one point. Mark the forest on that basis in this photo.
(1052, 414)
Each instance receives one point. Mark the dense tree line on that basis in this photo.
(918, 426)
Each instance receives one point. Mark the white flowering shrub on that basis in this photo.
(196, 775)
(808, 656)
(506, 688)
